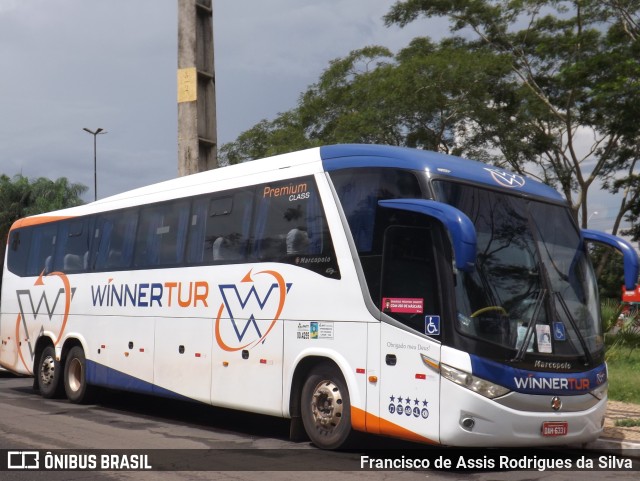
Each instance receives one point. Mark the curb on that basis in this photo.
(629, 449)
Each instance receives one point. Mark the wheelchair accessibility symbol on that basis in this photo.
(559, 332)
(432, 325)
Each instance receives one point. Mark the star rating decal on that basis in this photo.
(403, 406)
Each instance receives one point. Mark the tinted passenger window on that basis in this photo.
(162, 234)
(219, 227)
(116, 233)
(43, 243)
(290, 226)
(228, 226)
(360, 190)
(18, 253)
(72, 251)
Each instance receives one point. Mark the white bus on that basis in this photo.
(351, 287)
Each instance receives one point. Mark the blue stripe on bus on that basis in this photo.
(335, 157)
(536, 382)
(101, 375)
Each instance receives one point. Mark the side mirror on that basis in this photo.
(629, 255)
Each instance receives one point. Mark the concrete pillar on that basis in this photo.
(197, 138)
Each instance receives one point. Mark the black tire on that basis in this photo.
(325, 407)
(75, 377)
(48, 374)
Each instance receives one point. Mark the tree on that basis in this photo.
(575, 63)
(417, 98)
(20, 197)
(547, 88)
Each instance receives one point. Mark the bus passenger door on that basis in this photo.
(409, 337)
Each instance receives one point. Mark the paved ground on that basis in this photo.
(617, 411)
(619, 439)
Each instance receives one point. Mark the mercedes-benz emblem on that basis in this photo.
(556, 403)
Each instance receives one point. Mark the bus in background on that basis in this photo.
(351, 287)
(630, 302)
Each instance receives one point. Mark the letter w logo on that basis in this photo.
(229, 299)
(34, 309)
(255, 309)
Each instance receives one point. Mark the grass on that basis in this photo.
(624, 375)
(627, 423)
(622, 339)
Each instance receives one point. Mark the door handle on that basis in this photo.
(390, 359)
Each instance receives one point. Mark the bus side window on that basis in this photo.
(228, 226)
(196, 231)
(359, 193)
(114, 239)
(43, 243)
(162, 234)
(290, 227)
(219, 228)
(72, 248)
(18, 252)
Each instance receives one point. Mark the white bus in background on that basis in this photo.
(351, 287)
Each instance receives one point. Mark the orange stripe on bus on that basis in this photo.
(367, 422)
(45, 219)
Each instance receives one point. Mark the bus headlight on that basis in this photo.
(473, 383)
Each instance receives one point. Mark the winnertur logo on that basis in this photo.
(246, 310)
(506, 179)
(41, 308)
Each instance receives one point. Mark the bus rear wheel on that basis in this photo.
(325, 407)
(49, 374)
(75, 377)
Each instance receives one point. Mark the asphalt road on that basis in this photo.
(192, 441)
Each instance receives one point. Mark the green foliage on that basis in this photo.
(422, 97)
(610, 310)
(576, 63)
(624, 376)
(608, 265)
(21, 197)
(627, 423)
(524, 80)
(622, 332)
(622, 337)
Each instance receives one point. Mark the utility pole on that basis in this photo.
(197, 138)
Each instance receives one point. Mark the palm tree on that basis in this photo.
(20, 197)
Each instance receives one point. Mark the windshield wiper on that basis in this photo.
(532, 322)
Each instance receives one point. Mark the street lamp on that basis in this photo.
(95, 158)
(595, 212)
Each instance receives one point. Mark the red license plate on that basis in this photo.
(555, 428)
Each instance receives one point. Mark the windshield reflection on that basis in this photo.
(533, 289)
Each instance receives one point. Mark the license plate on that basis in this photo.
(555, 428)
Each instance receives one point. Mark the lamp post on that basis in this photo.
(595, 212)
(95, 158)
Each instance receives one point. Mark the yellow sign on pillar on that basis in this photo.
(187, 84)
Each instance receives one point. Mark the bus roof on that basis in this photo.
(336, 157)
(306, 162)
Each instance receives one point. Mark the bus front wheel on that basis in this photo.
(75, 377)
(48, 374)
(325, 407)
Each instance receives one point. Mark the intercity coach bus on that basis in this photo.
(349, 287)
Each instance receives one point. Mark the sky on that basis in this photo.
(71, 64)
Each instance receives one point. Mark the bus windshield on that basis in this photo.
(533, 289)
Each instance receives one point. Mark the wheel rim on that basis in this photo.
(47, 370)
(327, 406)
(75, 375)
